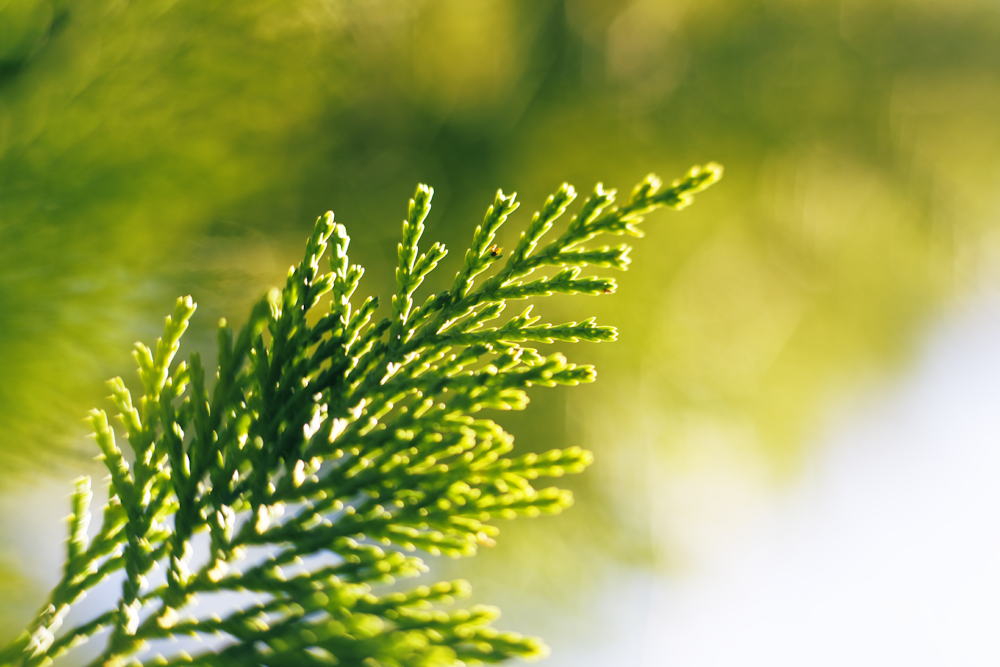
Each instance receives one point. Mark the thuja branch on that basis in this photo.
(329, 434)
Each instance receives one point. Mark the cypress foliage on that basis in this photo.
(333, 434)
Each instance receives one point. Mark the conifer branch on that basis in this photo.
(341, 436)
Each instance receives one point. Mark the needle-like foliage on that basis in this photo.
(339, 446)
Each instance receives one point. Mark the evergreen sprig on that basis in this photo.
(332, 435)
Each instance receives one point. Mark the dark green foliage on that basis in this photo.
(326, 433)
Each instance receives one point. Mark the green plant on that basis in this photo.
(330, 434)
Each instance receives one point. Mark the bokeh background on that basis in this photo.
(162, 147)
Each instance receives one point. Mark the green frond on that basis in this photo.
(331, 433)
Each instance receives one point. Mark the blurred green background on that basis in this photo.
(162, 147)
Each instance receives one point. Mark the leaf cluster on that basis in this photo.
(341, 446)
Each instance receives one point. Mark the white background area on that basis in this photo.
(885, 552)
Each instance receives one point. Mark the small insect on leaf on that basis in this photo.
(496, 251)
